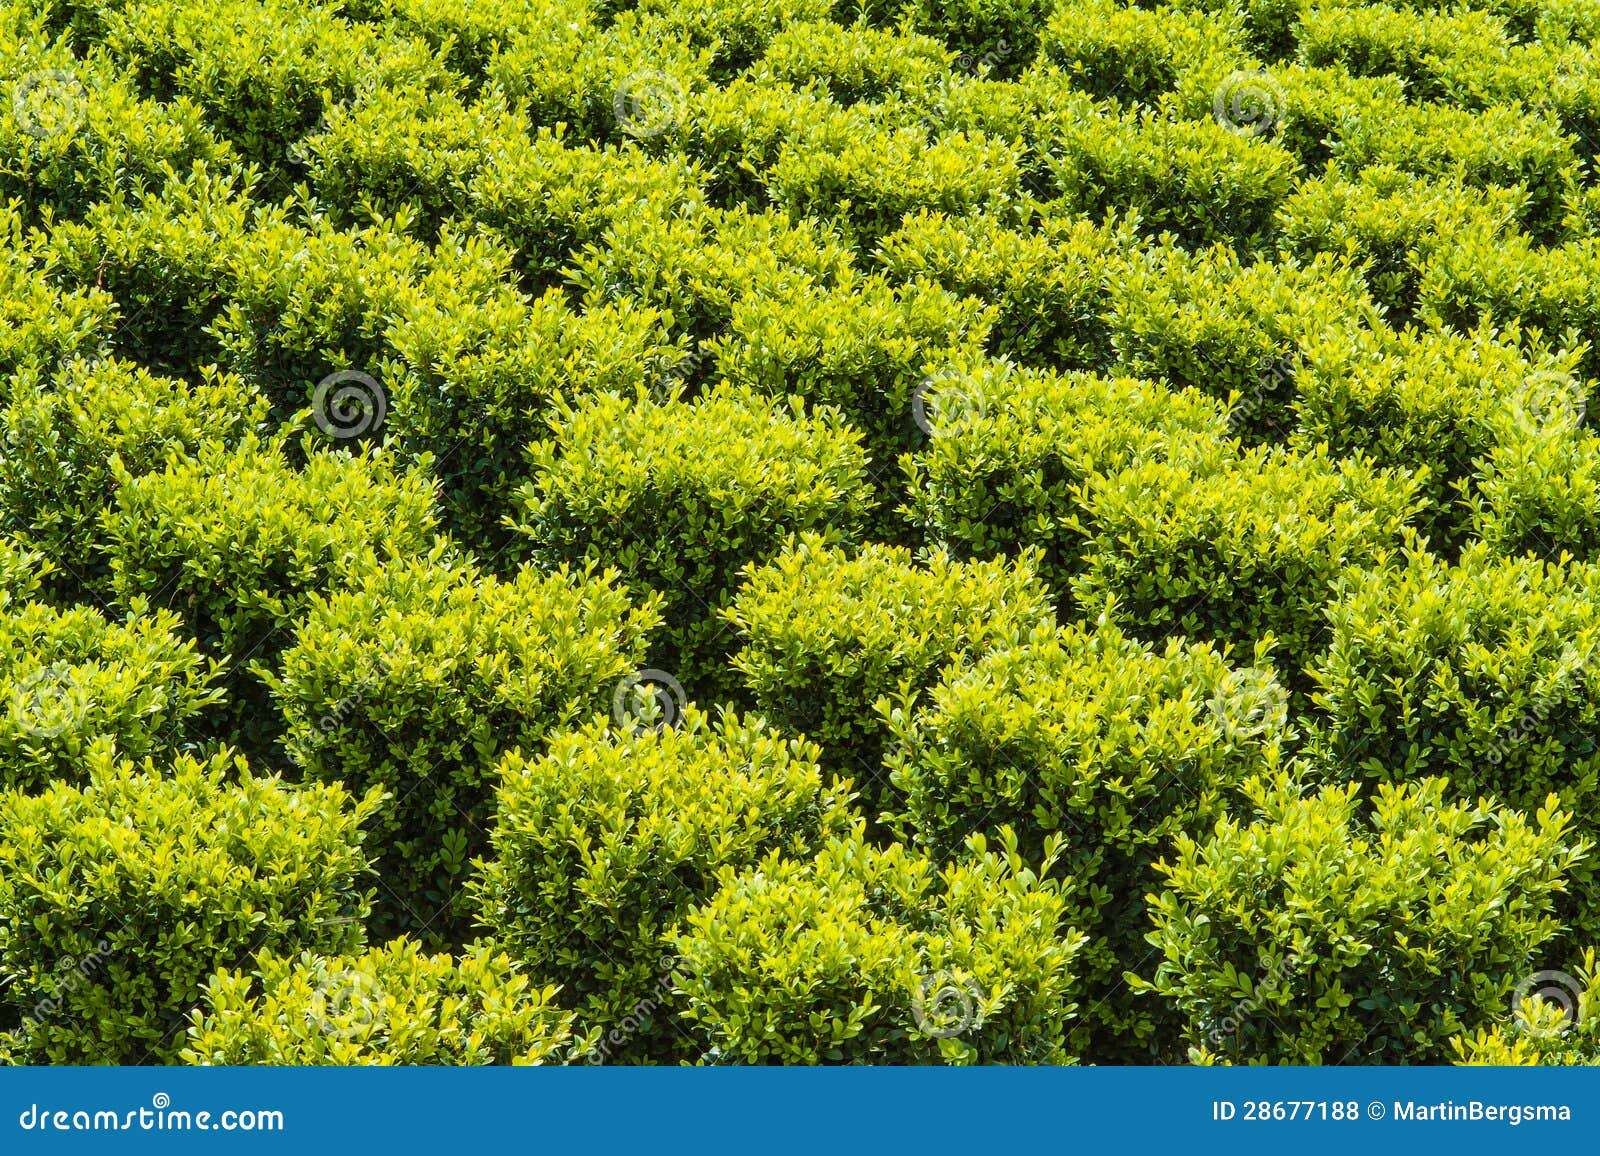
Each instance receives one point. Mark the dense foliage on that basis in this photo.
(639, 531)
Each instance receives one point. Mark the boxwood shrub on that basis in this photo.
(866, 955)
(1233, 329)
(1046, 287)
(236, 541)
(1551, 1023)
(164, 254)
(1539, 494)
(1092, 736)
(117, 139)
(419, 677)
(1428, 400)
(1506, 147)
(121, 897)
(868, 177)
(862, 348)
(603, 843)
(1197, 178)
(826, 633)
(70, 679)
(1314, 932)
(264, 72)
(1135, 54)
(476, 371)
(692, 268)
(1006, 469)
(1391, 222)
(1237, 551)
(680, 497)
(387, 1005)
(855, 63)
(61, 436)
(47, 324)
(1481, 672)
(549, 198)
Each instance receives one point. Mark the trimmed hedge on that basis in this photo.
(120, 898)
(70, 679)
(862, 348)
(1013, 448)
(419, 678)
(826, 633)
(478, 371)
(679, 498)
(1551, 1024)
(388, 1005)
(1233, 330)
(65, 442)
(872, 956)
(1482, 672)
(1199, 179)
(1314, 932)
(1106, 742)
(1238, 550)
(1046, 288)
(1540, 495)
(586, 834)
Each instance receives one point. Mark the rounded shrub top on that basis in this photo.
(151, 877)
(1330, 930)
(878, 956)
(387, 1005)
(602, 843)
(827, 632)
